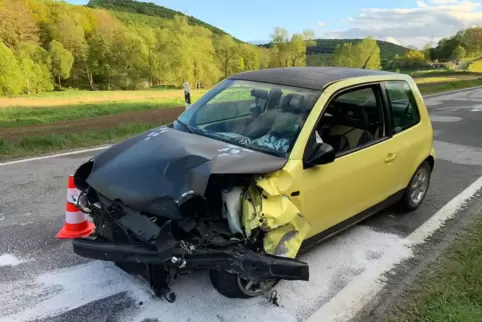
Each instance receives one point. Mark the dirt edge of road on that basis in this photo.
(400, 281)
(154, 116)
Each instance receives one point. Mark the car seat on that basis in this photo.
(349, 129)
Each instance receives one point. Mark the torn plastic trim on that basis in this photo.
(265, 207)
(244, 262)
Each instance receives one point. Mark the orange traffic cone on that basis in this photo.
(76, 222)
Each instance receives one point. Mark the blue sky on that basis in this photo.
(409, 22)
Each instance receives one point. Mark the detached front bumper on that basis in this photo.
(244, 262)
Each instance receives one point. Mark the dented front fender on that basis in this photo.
(265, 207)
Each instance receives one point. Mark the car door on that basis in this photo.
(409, 138)
(362, 175)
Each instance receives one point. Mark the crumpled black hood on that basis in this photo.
(165, 163)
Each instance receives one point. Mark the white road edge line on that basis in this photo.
(105, 147)
(452, 92)
(351, 300)
(54, 155)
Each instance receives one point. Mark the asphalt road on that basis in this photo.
(42, 280)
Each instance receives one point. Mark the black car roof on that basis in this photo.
(306, 77)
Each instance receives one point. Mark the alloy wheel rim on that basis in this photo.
(419, 186)
(251, 288)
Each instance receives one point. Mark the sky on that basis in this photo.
(406, 22)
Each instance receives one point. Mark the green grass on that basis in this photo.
(451, 86)
(32, 145)
(440, 73)
(88, 93)
(21, 116)
(451, 290)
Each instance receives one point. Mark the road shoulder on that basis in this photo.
(402, 282)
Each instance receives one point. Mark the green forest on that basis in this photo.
(50, 45)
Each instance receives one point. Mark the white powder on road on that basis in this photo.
(332, 265)
(9, 260)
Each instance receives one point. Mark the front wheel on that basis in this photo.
(417, 188)
(233, 286)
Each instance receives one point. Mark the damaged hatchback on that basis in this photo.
(263, 166)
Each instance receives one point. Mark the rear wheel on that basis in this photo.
(417, 188)
(233, 286)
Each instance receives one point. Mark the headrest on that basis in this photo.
(293, 103)
(259, 93)
(351, 116)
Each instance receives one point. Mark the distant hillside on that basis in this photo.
(148, 9)
(322, 53)
(327, 46)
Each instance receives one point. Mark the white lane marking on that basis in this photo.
(445, 119)
(349, 302)
(9, 260)
(54, 156)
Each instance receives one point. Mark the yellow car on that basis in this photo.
(263, 166)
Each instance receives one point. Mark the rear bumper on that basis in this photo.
(244, 262)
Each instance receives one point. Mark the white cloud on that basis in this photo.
(421, 4)
(413, 26)
(439, 2)
(393, 40)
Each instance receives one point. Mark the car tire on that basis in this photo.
(231, 285)
(417, 188)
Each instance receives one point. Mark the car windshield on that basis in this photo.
(258, 116)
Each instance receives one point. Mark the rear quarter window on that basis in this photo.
(404, 109)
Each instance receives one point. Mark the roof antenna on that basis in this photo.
(369, 56)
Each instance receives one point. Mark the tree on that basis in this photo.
(356, 56)
(10, 73)
(250, 56)
(264, 57)
(68, 31)
(471, 40)
(62, 61)
(369, 53)
(279, 35)
(17, 25)
(458, 53)
(427, 51)
(345, 56)
(297, 47)
(227, 53)
(35, 65)
(413, 57)
(446, 46)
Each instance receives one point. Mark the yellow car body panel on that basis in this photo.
(336, 192)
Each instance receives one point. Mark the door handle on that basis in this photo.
(390, 158)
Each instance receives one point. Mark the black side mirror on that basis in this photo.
(322, 153)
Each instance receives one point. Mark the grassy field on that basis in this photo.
(68, 106)
(56, 121)
(451, 290)
(432, 88)
(30, 145)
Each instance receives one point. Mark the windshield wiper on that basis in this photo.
(187, 127)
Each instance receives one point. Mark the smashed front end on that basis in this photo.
(190, 208)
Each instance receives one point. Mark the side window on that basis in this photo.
(402, 104)
(353, 119)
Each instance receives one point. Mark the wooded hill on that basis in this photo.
(328, 46)
(149, 9)
(121, 44)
